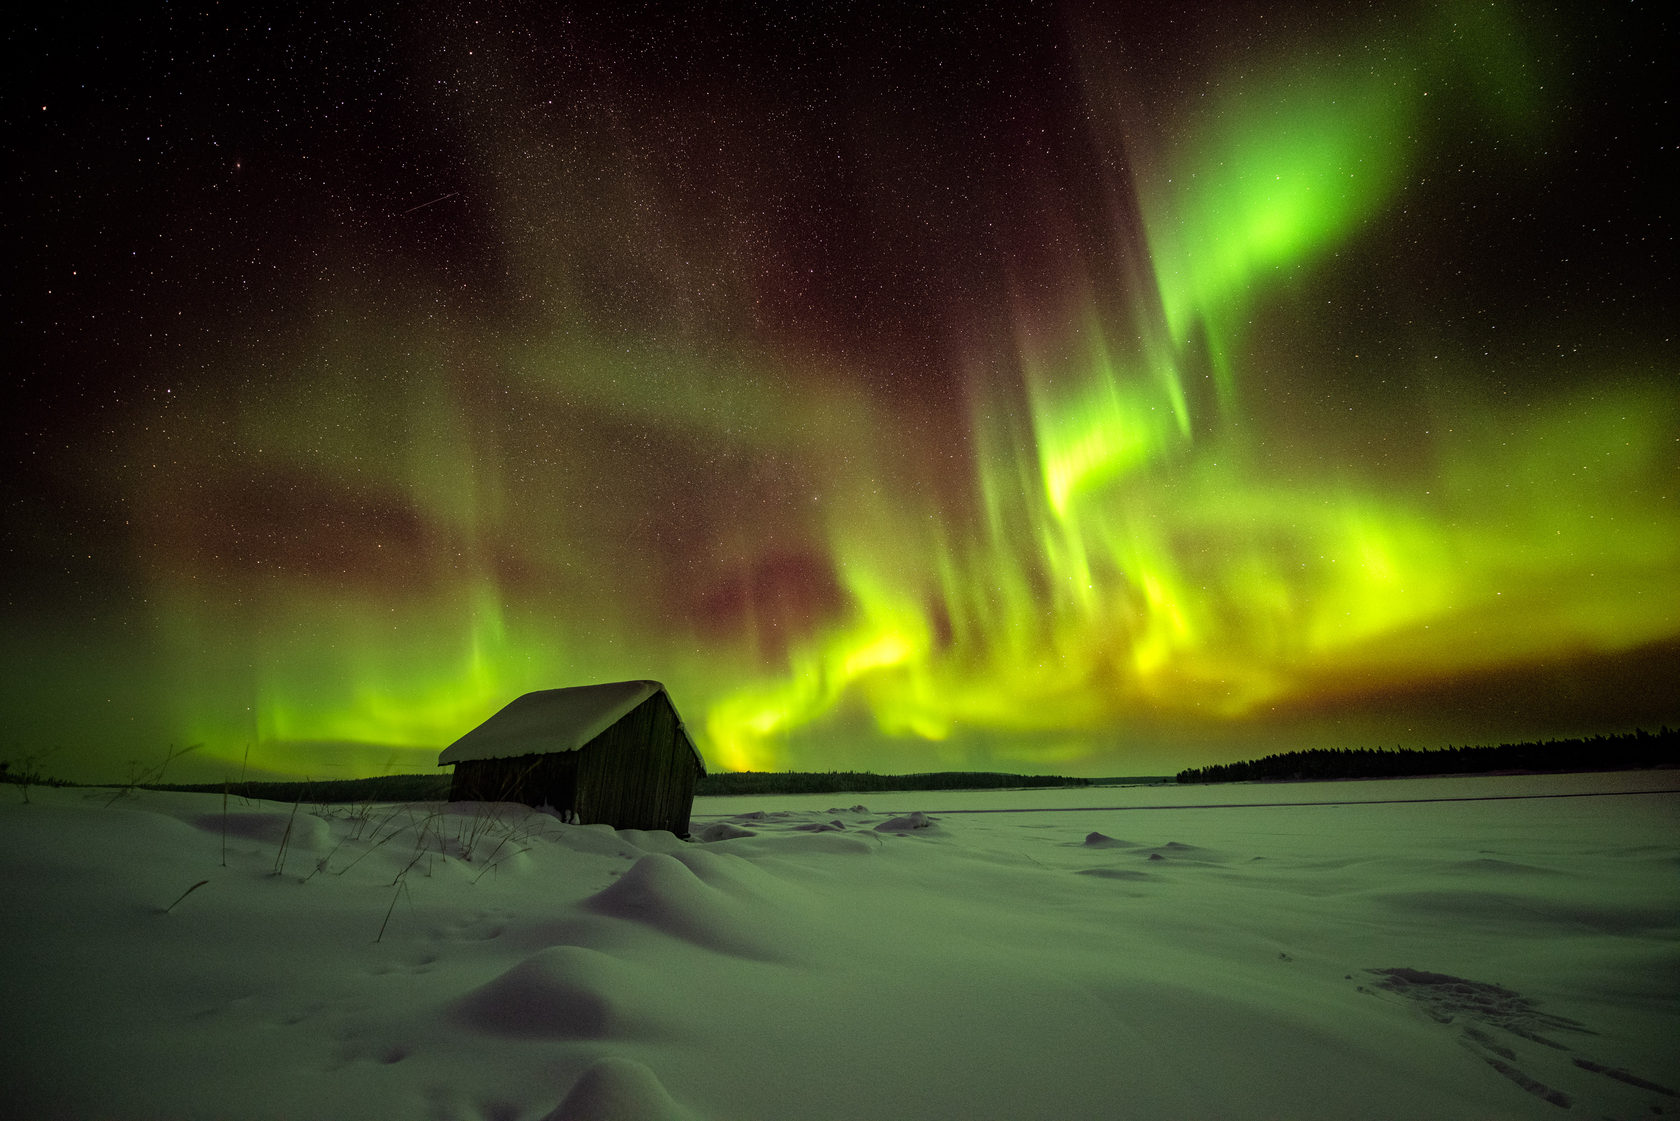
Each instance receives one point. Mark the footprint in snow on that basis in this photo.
(1510, 1033)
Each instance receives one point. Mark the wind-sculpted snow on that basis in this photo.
(1103, 841)
(564, 992)
(720, 831)
(491, 963)
(303, 830)
(908, 823)
(619, 1090)
(699, 899)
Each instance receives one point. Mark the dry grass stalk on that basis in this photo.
(184, 894)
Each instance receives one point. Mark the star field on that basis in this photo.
(1094, 388)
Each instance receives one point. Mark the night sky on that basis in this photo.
(1086, 389)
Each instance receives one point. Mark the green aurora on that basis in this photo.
(1181, 453)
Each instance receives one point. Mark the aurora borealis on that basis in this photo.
(1094, 389)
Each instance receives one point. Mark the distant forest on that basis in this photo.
(1628, 751)
(383, 788)
(861, 782)
(435, 787)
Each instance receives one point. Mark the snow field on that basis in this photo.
(1477, 959)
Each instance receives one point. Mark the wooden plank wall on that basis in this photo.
(531, 779)
(639, 773)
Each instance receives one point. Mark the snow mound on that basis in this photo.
(563, 992)
(617, 1089)
(909, 823)
(1104, 841)
(1193, 854)
(826, 841)
(652, 840)
(721, 831)
(302, 831)
(664, 893)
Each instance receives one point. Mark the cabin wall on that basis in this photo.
(639, 773)
(535, 780)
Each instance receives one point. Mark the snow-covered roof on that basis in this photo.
(554, 720)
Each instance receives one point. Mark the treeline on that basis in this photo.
(1627, 751)
(862, 782)
(384, 788)
(435, 787)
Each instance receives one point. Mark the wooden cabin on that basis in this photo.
(615, 754)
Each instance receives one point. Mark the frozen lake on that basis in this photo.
(1220, 795)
